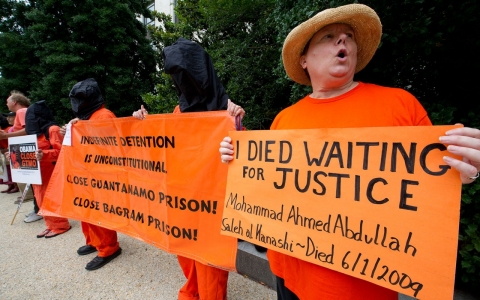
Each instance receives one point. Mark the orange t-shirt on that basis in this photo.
(19, 122)
(366, 105)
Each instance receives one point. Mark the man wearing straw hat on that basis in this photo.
(325, 52)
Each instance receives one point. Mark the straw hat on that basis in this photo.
(364, 22)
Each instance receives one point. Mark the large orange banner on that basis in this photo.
(378, 204)
(159, 180)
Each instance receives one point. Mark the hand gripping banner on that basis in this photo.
(159, 180)
(379, 204)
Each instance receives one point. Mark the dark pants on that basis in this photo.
(283, 293)
(35, 205)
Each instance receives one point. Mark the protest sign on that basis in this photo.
(159, 180)
(379, 204)
(23, 163)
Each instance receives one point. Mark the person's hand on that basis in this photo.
(63, 129)
(226, 150)
(39, 154)
(140, 114)
(235, 110)
(464, 142)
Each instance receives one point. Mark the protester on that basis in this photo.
(17, 102)
(199, 89)
(6, 123)
(325, 52)
(88, 104)
(10, 117)
(39, 120)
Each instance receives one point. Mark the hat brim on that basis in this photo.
(364, 22)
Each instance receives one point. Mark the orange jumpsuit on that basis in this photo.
(51, 150)
(203, 282)
(103, 239)
(366, 105)
(4, 142)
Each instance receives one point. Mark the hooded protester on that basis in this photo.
(192, 71)
(199, 89)
(88, 104)
(86, 98)
(39, 120)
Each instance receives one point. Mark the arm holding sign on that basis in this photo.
(63, 129)
(140, 114)
(51, 154)
(235, 110)
(465, 142)
(226, 150)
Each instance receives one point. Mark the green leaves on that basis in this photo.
(67, 41)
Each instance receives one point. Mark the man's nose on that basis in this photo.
(341, 39)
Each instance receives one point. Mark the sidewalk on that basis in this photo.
(32, 268)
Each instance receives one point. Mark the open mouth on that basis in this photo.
(342, 53)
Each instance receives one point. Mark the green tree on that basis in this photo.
(163, 98)
(102, 39)
(16, 51)
(241, 39)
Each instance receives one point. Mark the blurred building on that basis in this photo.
(165, 6)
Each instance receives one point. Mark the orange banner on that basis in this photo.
(159, 180)
(379, 204)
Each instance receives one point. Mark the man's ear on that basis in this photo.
(303, 61)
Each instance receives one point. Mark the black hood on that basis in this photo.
(197, 83)
(85, 98)
(38, 119)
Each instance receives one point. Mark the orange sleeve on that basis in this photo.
(56, 140)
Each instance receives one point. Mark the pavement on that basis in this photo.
(39, 268)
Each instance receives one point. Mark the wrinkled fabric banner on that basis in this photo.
(379, 204)
(159, 180)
